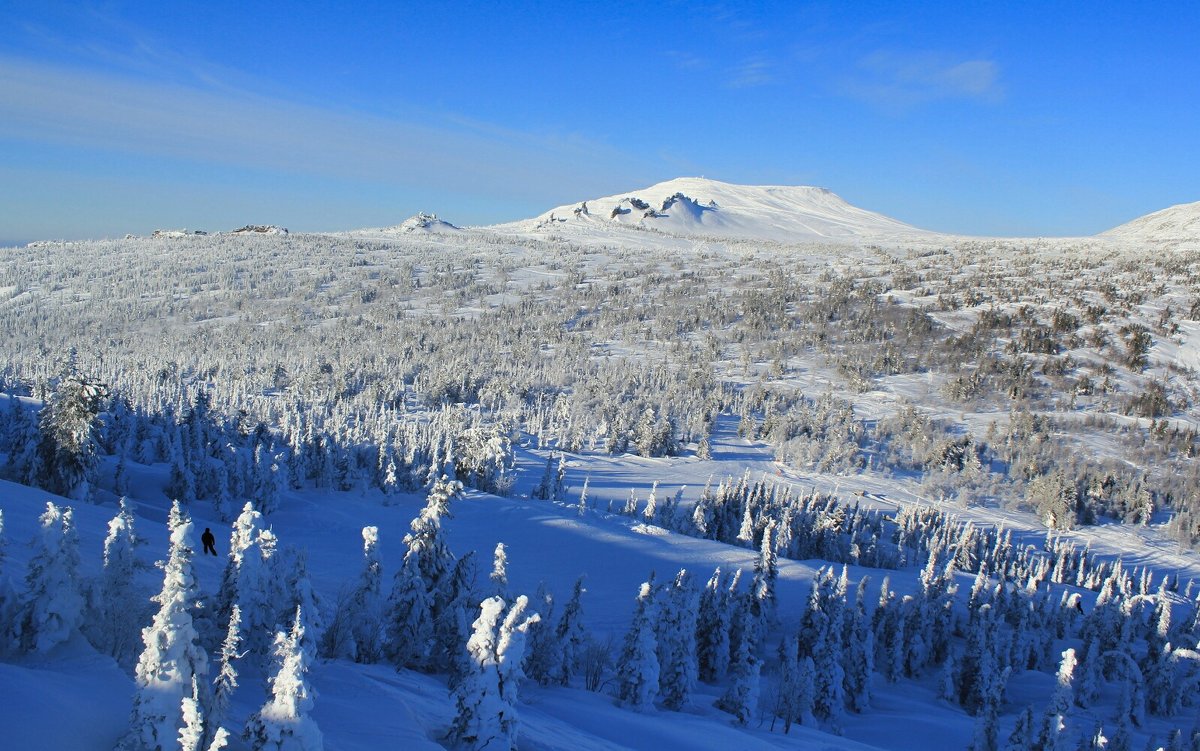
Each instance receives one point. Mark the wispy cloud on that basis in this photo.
(686, 61)
(752, 72)
(900, 81)
(42, 103)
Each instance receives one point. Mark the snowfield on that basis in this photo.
(688, 377)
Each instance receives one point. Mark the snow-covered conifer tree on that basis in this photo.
(67, 430)
(242, 537)
(582, 506)
(712, 630)
(787, 682)
(298, 592)
(650, 513)
(1050, 736)
(181, 485)
(638, 668)
(53, 607)
(191, 735)
(486, 697)
(226, 681)
(172, 654)
(543, 661)
(675, 633)
(366, 603)
(859, 655)
(499, 575)
(113, 627)
(987, 731)
(741, 698)
(559, 489)
(1023, 733)
(766, 573)
(283, 723)
(452, 628)
(571, 636)
(409, 619)
(428, 552)
(1094, 741)
(545, 487)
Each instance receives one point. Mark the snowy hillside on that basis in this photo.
(995, 440)
(1176, 224)
(695, 206)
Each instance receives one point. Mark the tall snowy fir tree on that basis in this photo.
(67, 426)
(675, 633)
(409, 618)
(571, 635)
(1050, 737)
(172, 653)
(859, 654)
(54, 605)
(430, 557)
(712, 630)
(365, 608)
(226, 681)
(242, 538)
(741, 698)
(637, 667)
(766, 574)
(543, 659)
(113, 628)
(283, 723)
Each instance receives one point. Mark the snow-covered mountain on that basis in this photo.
(418, 224)
(1180, 223)
(695, 206)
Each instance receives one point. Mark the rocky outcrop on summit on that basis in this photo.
(260, 229)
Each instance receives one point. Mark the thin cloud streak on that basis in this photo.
(44, 103)
(900, 81)
(751, 73)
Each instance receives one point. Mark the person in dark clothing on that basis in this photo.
(209, 541)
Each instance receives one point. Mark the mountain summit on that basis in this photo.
(695, 206)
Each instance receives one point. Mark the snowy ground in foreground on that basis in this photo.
(76, 699)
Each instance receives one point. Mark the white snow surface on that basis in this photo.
(1179, 223)
(699, 207)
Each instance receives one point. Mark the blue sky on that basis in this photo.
(1009, 118)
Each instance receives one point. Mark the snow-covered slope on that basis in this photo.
(1180, 223)
(695, 206)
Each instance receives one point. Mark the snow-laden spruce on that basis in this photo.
(638, 667)
(283, 723)
(54, 606)
(486, 697)
(113, 625)
(172, 655)
(67, 429)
